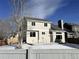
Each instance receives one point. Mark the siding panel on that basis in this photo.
(55, 53)
(12, 54)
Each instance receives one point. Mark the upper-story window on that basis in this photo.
(33, 23)
(50, 32)
(45, 24)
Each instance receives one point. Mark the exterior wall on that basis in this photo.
(54, 36)
(38, 28)
(70, 35)
(44, 38)
(31, 40)
(75, 28)
(38, 25)
(39, 39)
(63, 37)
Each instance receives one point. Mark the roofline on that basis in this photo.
(37, 19)
(57, 30)
(73, 24)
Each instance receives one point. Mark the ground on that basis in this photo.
(44, 46)
(51, 46)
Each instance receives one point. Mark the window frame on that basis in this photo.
(43, 33)
(33, 23)
(45, 24)
(32, 34)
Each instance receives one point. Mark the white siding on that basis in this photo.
(44, 38)
(75, 28)
(39, 26)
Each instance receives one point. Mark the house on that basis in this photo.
(40, 31)
(36, 30)
(72, 30)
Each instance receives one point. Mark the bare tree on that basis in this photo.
(17, 10)
(5, 28)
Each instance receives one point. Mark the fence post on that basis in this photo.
(30, 53)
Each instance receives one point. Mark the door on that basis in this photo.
(58, 38)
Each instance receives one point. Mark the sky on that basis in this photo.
(53, 10)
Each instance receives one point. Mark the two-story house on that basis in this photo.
(36, 30)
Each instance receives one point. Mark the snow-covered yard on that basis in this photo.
(43, 46)
(6, 47)
(51, 46)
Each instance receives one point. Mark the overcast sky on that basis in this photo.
(53, 10)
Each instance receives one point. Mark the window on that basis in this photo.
(33, 23)
(32, 34)
(50, 32)
(45, 24)
(43, 33)
(58, 38)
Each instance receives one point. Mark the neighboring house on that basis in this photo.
(40, 31)
(72, 30)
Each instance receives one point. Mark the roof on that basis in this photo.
(72, 24)
(36, 19)
(55, 27)
(67, 30)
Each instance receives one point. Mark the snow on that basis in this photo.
(25, 46)
(48, 46)
(42, 46)
(52, 46)
(72, 45)
(6, 47)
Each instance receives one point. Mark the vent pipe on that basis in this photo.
(62, 24)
